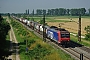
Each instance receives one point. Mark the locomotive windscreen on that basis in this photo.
(65, 35)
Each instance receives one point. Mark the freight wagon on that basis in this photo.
(59, 35)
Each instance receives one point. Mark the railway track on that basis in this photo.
(71, 51)
(74, 50)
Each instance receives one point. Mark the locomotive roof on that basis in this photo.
(56, 28)
(53, 27)
(61, 29)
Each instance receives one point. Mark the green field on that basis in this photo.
(83, 41)
(54, 18)
(37, 48)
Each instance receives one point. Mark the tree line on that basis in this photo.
(63, 11)
(55, 12)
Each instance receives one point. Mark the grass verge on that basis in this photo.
(75, 39)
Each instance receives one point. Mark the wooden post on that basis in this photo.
(44, 37)
(79, 29)
(81, 56)
(26, 46)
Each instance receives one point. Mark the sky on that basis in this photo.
(19, 6)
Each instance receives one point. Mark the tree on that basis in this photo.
(4, 28)
(82, 11)
(44, 11)
(56, 11)
(88, 32)
(39, 12)
(8, 14)
(49, 12)
(61, 11)
(72, 12)
(75, 12)
(89, 11)
(87, 29)
(68, 11)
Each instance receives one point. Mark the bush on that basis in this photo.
(38, 52)
(31, 42)
(87, 37)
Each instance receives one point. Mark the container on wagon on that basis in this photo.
(38, 27)
(46, 28)
(28, 23)
(41, 28)
(35, 25)
(25, 21)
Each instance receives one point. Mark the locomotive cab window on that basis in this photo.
(65, 35)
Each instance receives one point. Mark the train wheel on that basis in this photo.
(58, 44)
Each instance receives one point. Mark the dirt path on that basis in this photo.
(13, 45)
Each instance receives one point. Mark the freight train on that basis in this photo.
(58, 35)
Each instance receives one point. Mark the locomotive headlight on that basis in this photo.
(68, 40)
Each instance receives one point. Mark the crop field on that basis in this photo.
(68, 22)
